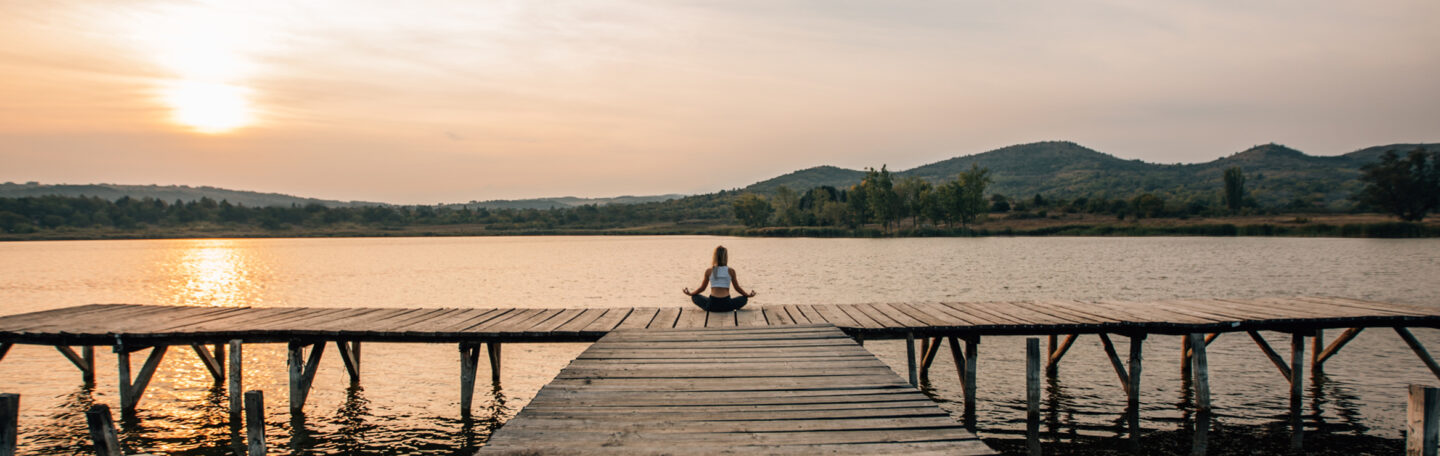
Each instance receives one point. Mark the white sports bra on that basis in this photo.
(720, 277)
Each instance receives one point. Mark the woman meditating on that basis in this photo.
(720, 277)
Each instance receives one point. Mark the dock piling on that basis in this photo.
(236, 379)
(255, 423)
(1201, 380)
(1032, 395)
(1422, 429)
(1137, 343)
(9, 423)
(493, 349)
(910, 358)
(350, 354)
(131, 390)
(1297, 391)
(102, 431)
(302, 372)
(469, 363)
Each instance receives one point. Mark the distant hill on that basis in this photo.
(168, 193)
(1275, 174)
(562, 202)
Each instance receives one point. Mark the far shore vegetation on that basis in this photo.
(1397, 194)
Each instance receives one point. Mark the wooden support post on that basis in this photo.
(211, 362)
(965, 367)
(469, 362)
(102, 431)
(350, 354)
(1032, 395)
(1270, 353)
(932, 349)
(1137, 343)
(494, 352)
(1419, 350)
(9, 423)
(86, 362)
(1201, 370)
(236, 379)
(255, 423)
(1185, 364)
(1052, 364)
(1422, 429)
(910, 358)
(1052, 344)
(1297, 391)
(1339, 343)
(132, 389)
(1317, 344)
(302, 373)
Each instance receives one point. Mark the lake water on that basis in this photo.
(408, 400)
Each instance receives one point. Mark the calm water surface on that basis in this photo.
(408, 399)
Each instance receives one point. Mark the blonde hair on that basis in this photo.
(722, 256)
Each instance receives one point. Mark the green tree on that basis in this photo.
(880, 193)
(971, 202)
(913, 193)
(1234, 189)
(1148, 205)
(786, 204)
(752, 210)
(1406, 187)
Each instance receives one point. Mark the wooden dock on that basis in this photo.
(214, 332)
(804, 389)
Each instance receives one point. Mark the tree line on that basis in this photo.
(1407, 187)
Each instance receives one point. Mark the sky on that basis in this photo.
(435, 101)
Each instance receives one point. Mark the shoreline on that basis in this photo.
(1333, 226)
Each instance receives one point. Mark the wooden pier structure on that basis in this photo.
(213, 331)
(803, 389)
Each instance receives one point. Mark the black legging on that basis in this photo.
(719, 304)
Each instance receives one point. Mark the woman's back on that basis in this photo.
(720, 277)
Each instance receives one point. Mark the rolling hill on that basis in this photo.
(1275, 174)
(167, 193)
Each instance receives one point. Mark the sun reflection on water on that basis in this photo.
(212, 273)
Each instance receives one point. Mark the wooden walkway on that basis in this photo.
(212, 332)
(802, 389)
(105, 324)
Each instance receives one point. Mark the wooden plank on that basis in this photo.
(691, 317)
(750, 317)
(609, 321)
(797, 314)
(665, 318)
(836, 317)
(777, 315)
(638, 319)
(862, 320)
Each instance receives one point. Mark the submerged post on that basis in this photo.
(494, 352)
(910, 358)
(1137, 343)
(1422, 429)
(255, 422)
(9, 423)
(1201, 373)
(235, 374)
(102, 431)
(469, 361)
(1032, 395)
(1297, 391)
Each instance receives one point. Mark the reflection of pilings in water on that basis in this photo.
(1058, 398)
(300, 438)
(352, 417)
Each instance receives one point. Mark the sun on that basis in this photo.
(210, 108)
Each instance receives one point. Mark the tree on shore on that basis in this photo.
(752, 210)
(879, 189)
(1405, 187)
(1234, 189)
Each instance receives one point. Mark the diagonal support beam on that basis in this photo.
(1419, 350)
(350, 354)
(1190, 351)
(212, 364)
(4, 348)
(131, 390)
(1116, 363)
(85, 362)
(1270, 353)
(1336, 345)
(1052, 364)
(932, 348)
(302, 373)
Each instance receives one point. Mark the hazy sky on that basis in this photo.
(427, 101)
